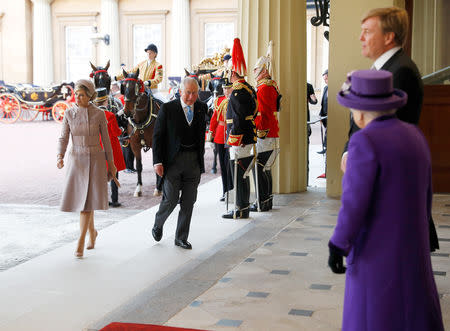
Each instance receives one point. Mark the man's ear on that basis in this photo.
(389, 38)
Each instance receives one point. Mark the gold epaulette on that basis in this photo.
(268, 82)
(239, 86)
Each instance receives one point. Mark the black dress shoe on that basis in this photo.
(263, 207)
(222, 198)
(115, 204)
(183, 244)
(157, 233)
(243, 213)
(323, 151)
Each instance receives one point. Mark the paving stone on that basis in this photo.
(258, 294)
(313, 238)
(444, 226)
(444, 239)
(440, 254)
(301, 312)
(227, 322)
(225, 279)
(439, 273)
(320, 287)
(280, 272)
(196, 303)
(298, 254)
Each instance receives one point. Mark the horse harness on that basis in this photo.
(140, 127)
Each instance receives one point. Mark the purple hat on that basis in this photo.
(371, 90)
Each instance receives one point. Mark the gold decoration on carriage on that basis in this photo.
(45, 95)
(34, 96)
(23, 95)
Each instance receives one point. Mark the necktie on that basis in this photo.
(190, 114)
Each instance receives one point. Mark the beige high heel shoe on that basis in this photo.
(92, 241)
(79, 251)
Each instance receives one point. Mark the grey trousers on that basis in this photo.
(183, 175)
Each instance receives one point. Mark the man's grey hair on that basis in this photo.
(188, 80)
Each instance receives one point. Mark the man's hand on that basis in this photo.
(336, 262)
(60, 163)
(344, 162)
(159, 169)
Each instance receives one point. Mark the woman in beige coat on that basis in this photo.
(86, 184)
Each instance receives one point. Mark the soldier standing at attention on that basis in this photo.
(217, 133)
(266, 128)
(241, 131)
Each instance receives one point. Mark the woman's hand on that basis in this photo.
(112, 171)
(59, 162)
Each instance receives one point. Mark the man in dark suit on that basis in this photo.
(384, 32)
(178, 149)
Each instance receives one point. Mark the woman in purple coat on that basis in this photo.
(382, 227)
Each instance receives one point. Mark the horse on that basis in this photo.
(103, 79)
(141, 109)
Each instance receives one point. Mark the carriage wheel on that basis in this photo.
(9, 108)
(58, 110)
(28, 114)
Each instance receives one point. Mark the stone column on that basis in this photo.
(181, 37)
(284, 22)
(110, 25)
(345, 47)
(43, 71)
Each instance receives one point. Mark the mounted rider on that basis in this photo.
(150, 71)
(266, 129)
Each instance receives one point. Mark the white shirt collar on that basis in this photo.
(385, 57)
(184, 106)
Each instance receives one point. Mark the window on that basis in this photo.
(78, 51)
(143, 35)
(217, 37)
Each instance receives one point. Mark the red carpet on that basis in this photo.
(116, 326)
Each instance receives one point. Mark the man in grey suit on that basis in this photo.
(178, 149)
(383, 34)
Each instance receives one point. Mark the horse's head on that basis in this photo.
(192, 75)
(101, 76)
(133, 92)
(215, 85)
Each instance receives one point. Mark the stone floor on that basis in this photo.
(285, 283)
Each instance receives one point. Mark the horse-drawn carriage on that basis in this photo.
(26, 102)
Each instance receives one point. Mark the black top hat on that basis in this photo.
(102, 94)
(152, 47)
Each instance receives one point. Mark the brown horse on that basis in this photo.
(141, 110)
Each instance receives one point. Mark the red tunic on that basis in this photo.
(217, 125)
(266, 120)
(113, 132)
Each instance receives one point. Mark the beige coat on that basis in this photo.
(86, 185)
